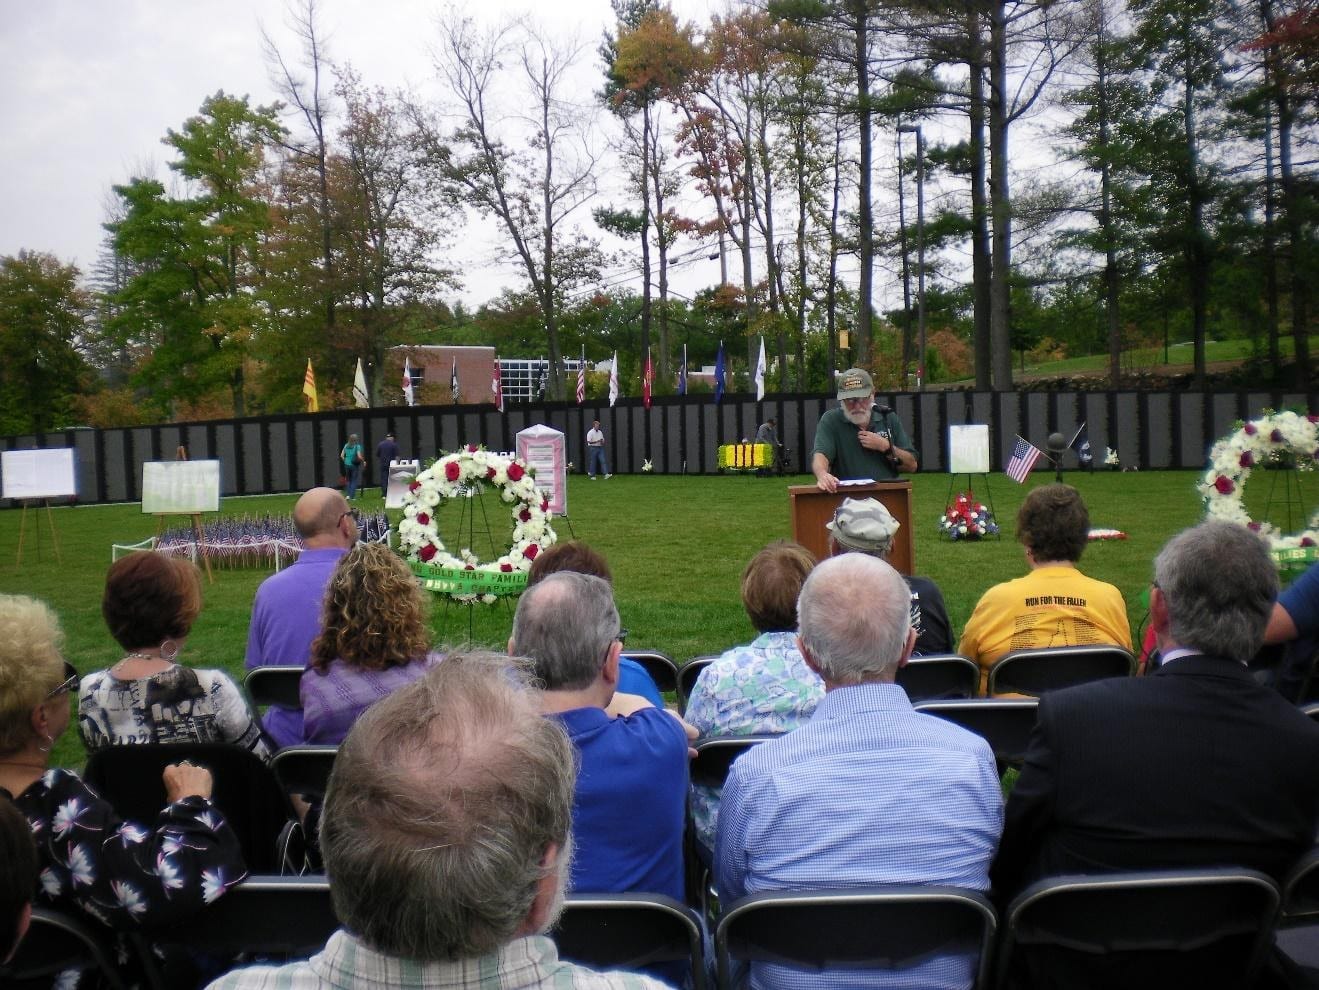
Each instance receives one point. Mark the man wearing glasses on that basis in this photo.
(859, 439)
(286, 615)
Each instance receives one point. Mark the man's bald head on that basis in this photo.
(318, 517)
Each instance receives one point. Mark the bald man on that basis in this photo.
(286, 615)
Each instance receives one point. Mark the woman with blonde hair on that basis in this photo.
(374, 639)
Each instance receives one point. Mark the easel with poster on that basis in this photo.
(968, 454)
(182, 488)
(32, 476)
(544, 450)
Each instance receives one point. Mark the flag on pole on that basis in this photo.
(408, 395)
(1023, 458)
(309, 389)
(544, 380)
(719, 373)
(613, 380)
(453, 382)
(360, 395)
(682, 373)
(647, 380)
(1081, 444)
(581, 379)
(497, 387)
(760, 372)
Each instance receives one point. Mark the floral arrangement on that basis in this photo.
(1106, 534)
(465, 474)
(967, 519)
(647, 467)
(1285, 439)
(1111, 458)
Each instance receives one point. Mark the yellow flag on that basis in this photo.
(309, 389)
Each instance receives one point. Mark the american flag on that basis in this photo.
(581, 379)
(1022, 460)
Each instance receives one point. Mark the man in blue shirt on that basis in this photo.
(631, 789)
(867, 792)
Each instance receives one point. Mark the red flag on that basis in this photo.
(497, 387)
(647, 380)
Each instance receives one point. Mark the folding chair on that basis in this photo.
(884, 928)
(275, 686)
(1037, 671)
(57, 941)
(709, 768)
(1311, 708)
(1298, 928)
(660, 666)
(304, 770)
(245, 791)
(943, 675)
(630, 931)
(1155, 929)
(1005, 723)
(688, 674)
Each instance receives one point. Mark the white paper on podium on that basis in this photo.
(968, 449)
(32, 474)
(544, 449)
(180, 487)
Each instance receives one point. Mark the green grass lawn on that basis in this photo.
(677, 546)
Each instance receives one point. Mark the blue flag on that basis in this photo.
(682, 373)
(1081, 444)
(719, 373)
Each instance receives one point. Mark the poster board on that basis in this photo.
(34, 474)
(968, 449)
(401, 474)
(544, 449)
(180, 487)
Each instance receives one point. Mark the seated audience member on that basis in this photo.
(631, 791)
(765, 686)
(446, 841)
(150, 603)
(576, 556)
(114, 873)
(1179, 768)
(18, 879)
(868, 791)
(286, 614)
(1294, 631)
(864, 525)
(374, 640)
(1055, 604)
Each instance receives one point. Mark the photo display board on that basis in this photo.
(401, 474)
(968, 449)
(32, 474)
(180, 487)
(545, 450)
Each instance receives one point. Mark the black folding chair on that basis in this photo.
(941, 675)
(630, 931)
(892, 929)
(304, 770)
(715, 755)
(660, 666)
(1311, 708)
(1036, 671)
(1157, 929)
(687, 675)
(245, 791)
(275, 686)
(1005, 723)
(1298, 928)
(55, 942)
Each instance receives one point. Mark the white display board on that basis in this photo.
(31, 474)
(401, 474)
(968, 449)
(545, 449)
(180, 487)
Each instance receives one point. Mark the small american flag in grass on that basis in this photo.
(1022, 461)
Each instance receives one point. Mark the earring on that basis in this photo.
(49, 743)
(169, 650)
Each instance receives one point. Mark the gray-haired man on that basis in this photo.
(859, 439)
(446, 840)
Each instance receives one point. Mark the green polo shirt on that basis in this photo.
(836, 439)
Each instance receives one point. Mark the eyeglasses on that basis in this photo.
(357, 516)
(622, 634)
(68, 684)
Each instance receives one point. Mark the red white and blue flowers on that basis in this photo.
(967, 519)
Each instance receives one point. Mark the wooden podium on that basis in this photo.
(812, 508)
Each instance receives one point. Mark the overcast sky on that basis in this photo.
(89, 87)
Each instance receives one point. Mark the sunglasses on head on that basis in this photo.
(68, 684)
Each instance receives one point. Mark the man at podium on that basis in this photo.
(859, 439)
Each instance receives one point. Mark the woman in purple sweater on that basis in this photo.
(375, 639)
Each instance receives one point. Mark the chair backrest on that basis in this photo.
(942, 675)
(1005, 723)
(715, 755)
(57, 941)
(687, 675)
(629, 931)
(288, 917)
(660, 666)
(1054, 667)
(1197, 927)
(274, 686)
(890, 928)
(1311, 708)
(304, 770)
(1300, 892)
(245, 791)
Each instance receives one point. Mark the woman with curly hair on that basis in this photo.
(374, 639)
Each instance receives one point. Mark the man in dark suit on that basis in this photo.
(1193, 765)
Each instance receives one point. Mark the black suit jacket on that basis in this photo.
(1194, 765)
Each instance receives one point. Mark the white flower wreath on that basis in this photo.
(1276, 438)
(463, 576)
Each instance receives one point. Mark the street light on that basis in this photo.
(920, 251)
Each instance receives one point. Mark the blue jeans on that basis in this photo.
(595, 459)
(353, 472)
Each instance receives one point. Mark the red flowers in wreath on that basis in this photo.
(967, 519)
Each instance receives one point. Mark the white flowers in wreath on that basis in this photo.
(1279, 438)
(463, 576)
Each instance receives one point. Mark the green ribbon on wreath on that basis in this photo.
(1292, 560)
(460, 581)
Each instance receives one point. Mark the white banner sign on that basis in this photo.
(180, 487)
(968, 449)
(30, 474)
